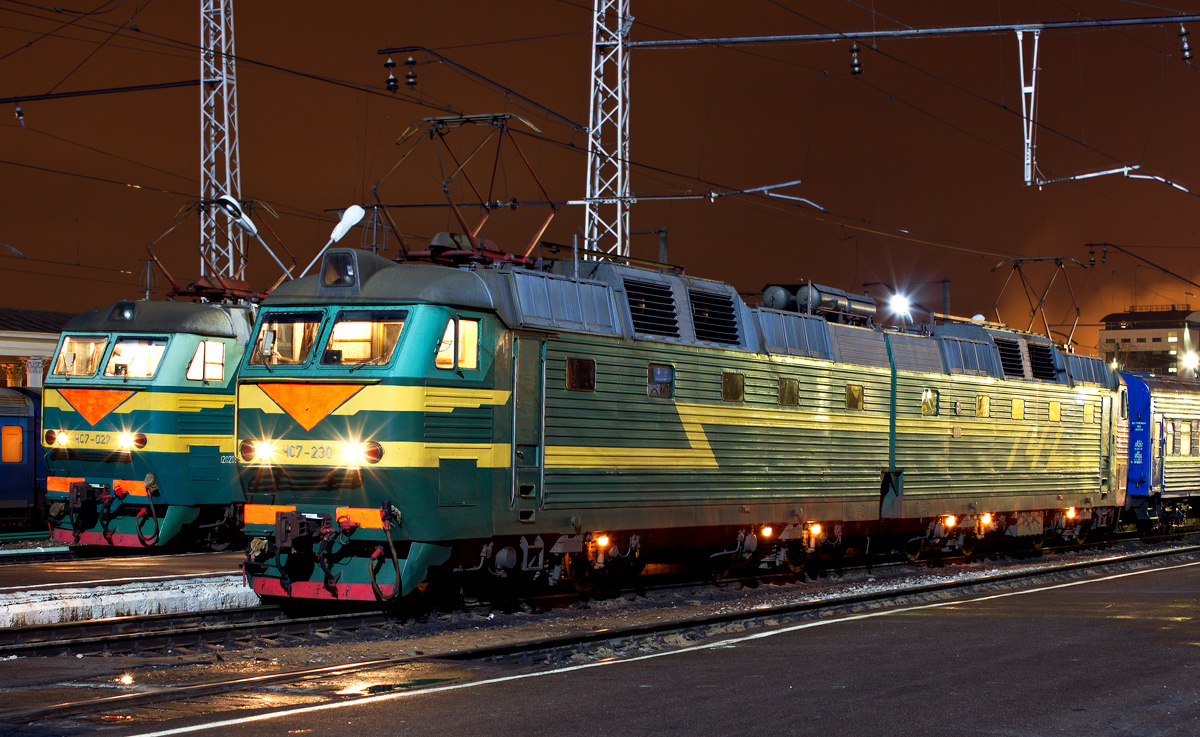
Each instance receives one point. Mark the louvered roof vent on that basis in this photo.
(1010, 358)
(1041, 361)
(714, 317)
(652, 307)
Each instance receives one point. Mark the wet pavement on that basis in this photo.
(1113, 655)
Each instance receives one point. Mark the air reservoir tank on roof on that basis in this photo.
(818, 299)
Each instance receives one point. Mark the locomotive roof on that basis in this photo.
(381, 280)
(156, 317)
(19, 402)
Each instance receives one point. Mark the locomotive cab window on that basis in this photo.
(459, 347)
(80, 355)
(581, 374)
(363, 337)
(660, 380)
(929, 402)
(135, 358)
(854, 396)
(209, 362)
(12, 444)
(733, 386)
(286, 338)
(789, 392)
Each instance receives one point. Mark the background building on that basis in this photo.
(27, 341)
(1160, 339)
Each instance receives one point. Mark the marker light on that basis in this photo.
(1071, 513)
(767, 531)
(814, 529)
(951, 520)
(987, 518)
(602, 541)
(247, 450)
(49, 437)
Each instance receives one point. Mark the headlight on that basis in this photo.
(353, 454)
(263, 450)
(129, 441)
(62, 438)
(601, 541)
(767, 531)
(951, 520)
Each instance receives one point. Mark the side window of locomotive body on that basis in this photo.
(363, 337)
(208, 363)
(459, 346)
(929, 402)
(12, 444)
(581, 374)
(1055, 409)
(854, 396)
(660, 381)
(135, 358)
(1185, 438)
(80, 355)
(733, 387)
(286, 338)
(983, 406)
(1018, 408)
(789, 392)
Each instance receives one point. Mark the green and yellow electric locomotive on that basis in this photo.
(138, 418)
(397, 421)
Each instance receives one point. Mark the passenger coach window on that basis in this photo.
(581, 374)
(286, 338)
(80, 355)
(12, 444)
(929, 402)
(366, 337)
(209, 362)
(789, 392)
(135, 358)
(465, 335)
(733, 386)
(660, 380)
(854, 396)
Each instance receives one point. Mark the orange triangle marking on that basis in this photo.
(94, 404)
(308, 404)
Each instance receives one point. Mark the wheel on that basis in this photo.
(969, 544)
(797, 558)
(912, 549)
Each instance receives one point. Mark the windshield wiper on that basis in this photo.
(368, 363)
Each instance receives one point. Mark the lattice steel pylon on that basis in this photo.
(221, 245)
(606, 225)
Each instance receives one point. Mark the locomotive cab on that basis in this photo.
(137, 424)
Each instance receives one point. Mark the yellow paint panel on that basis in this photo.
(156, 442)
(407, 455)
(391, 398)
(149, 401)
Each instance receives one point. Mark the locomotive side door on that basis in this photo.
(529, 424)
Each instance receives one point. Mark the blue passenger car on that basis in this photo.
(22, 473)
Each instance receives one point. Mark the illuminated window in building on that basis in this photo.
(209, 362)
(459, 348)
(12, 444)
(929, 402)
(1172, 337)
(854, 396)
(136, 358)
(1018, 409)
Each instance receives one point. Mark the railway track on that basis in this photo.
(225, 627)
